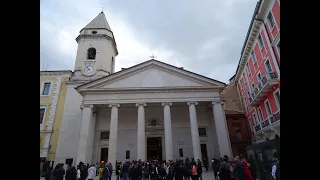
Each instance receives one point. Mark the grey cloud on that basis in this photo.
(205, 36)
(185, 26)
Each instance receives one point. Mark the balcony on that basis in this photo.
(262, 88)
(275, 118)
(268, 125)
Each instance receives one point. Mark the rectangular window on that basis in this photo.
(46, 89)
(278, 47)
(253, 56)
(104, 135)
(127, 154)
(270, 20)
(268, 66)
(42, 115)
(260, 41)
(202, 131)
(250, 124)
(268, 108)
(256, 122)
(180, 152)
(259, 77)
(248, 69)
(260, 114)
(277, 97)
(245, 78)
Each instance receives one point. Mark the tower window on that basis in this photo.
(91, 53)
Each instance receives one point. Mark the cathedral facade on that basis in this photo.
(150, 110)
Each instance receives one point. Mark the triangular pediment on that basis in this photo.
(152, 74)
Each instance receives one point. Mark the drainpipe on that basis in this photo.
(269, 39)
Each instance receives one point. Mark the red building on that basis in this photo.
(239, 131)
(258, 72)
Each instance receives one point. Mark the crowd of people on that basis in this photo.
(189, 169)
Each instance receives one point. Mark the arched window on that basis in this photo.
(91, 54)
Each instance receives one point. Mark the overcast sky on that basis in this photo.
(203, 36)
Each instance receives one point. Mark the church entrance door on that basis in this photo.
(154, 148)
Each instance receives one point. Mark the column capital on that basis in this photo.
(217, 102)
(166, 103)
(114, 105)
(86, 106)
(141, 104)
(195, 103)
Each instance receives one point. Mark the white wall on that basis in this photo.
(67, 146)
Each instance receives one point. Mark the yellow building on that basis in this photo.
(53, 89)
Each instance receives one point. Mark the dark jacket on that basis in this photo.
(135, 173)
(106, 173)
(59, 173)
(178, 173)
(125, 168)
(224, 174)
(71, 173)
(162, 172)
(199, 169)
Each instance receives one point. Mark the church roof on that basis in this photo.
(99, 22)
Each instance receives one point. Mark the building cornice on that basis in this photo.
(64, 73)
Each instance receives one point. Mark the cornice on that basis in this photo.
(148, 90)
(55, 73)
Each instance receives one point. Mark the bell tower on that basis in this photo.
(97, 50)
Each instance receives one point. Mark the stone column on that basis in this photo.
(82, 154)
(113, 136)
(167, 131)
(194, 131)
(221, 129)
(141, 136)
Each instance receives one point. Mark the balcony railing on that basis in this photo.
(265, 123)
(263, 87)
(257, 128)
(270, 121)
(275, 117)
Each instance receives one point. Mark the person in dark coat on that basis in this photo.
(224, 173)
(178, 172)
(161, 172)
(83, 171)
(214, 163)
(106, 173)
(199, 169)
(59, 172)
(135, 172)
(125, 170)
(239, 170)
(276, 169)
(71, 173)
(48, 173)
(153, 172)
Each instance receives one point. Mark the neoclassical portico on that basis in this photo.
(163, 87)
